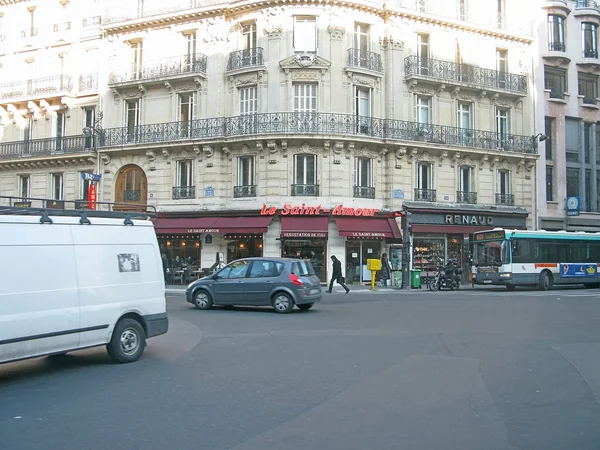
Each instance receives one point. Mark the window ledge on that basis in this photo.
(563, 100)
(552, 202)
(587, 105)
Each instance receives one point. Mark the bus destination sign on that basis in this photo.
(489, 235)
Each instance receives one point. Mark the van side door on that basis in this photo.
(39, 301)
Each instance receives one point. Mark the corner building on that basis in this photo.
(312, 129)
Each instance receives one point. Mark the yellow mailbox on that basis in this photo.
(373, 265)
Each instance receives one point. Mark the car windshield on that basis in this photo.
(491, 253)
(302, 268)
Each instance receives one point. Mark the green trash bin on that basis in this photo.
(415, 279)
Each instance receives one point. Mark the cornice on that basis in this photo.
(230, 10)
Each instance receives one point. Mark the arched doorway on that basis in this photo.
(131, 188)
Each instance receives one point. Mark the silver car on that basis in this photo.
(277, 282)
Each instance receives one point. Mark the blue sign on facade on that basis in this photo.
(578, 270)
(398, 193)
(209, 192)
(573, 206)
(90, 176)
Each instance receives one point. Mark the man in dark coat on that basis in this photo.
(336, 275)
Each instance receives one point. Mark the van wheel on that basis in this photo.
(282, 303)
(305, 306)
(128, 341)
(546, 281)
(203, 300)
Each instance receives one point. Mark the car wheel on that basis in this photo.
(202, 300)
(282, 303)
(305, 306)
(128, 341)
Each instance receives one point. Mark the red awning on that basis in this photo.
(377, 227)
(200, 225)
(304, 227)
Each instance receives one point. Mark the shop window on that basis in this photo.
(428, 253)
(314, 250)
(244, 246)
(357, 253)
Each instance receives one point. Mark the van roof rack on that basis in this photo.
(84, 209)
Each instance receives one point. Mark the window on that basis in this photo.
(363, 178)
(248, 101)
(266, 269)
(305, 98)
(60, 129)
(573, 139)
(465, 182)
(548, 131)
(246, 171)
(362, 109)
(191, 52)
(502, 66)
(549, 183)
(132, 118)
(502, 127)
(237, 269)
(556, 33)
(28, 128)
(89, 117)
(423, 53)
(361, 38)
(465, 115)
(589, 39)
(423, 110)
(588, 87)
(305, 176)
(463, 9)
(24, 186)
(588, 190)
(305, 34)
(556, 80)
(503, 188)
(501, 10)
(185, 108)
(424, 176)
(136, 59)
(185, 173)
(587, 141)
(572, 182)
(56, 185)
(249, 36)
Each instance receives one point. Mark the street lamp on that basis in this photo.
(538, 137)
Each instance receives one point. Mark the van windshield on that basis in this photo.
(303, 268)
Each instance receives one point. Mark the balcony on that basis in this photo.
(245, 58)
(330, 124)
(445, 72)
(91, 22)
(364, 192)
(505, 199)
(29, 32)
(46, 147)
(557, 7)
(364, 60)
(424, 195)
(587, 8)
(62, 27)
(88, 83)
(466, 197)
(184, 192)
(156, 71)
(244, 191)
(36, 88)
(309, 190)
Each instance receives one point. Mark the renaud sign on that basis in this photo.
(304, 210)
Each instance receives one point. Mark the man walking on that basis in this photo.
(336, 275)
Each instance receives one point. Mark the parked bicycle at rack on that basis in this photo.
(448, 276)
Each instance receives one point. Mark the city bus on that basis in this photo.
(535, 258)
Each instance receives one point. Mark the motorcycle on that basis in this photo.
(448, 276)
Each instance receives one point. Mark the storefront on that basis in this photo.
(438, 233)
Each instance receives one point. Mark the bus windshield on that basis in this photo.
(491, 253)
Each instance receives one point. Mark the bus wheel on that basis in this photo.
(546, 281)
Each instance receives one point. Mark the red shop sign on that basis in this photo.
(92, 196)
(304, 210)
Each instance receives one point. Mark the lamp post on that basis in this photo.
(538, 137)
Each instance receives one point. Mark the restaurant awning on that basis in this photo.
(200, 225)
(304, 227)
(377, 227)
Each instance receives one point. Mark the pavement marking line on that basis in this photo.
(402, 404)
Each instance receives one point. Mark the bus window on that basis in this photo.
(521, 251)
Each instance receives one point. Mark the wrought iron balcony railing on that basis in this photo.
(89, 22)
(2, 37)
(586, 4)
(29, 32)
(466, 197)
(183, 192)
(88, 82)
(364, 59)
(315, 123)
(37, 86)
(590, 53)
(245, 58)
(447, 71)
(63, 26)
(244, 191)
(505, 199)
(154, 8)
(132, 195)
(46, 147)
(163, 68)
(424, 195)
(364, 192)
(309, 190)
(556, 46)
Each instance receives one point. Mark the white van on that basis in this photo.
(72, 280)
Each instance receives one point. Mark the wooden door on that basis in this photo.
(131, 189)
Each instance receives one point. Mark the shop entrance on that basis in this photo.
(357, 253)
(314, 249)
(243, 247)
